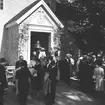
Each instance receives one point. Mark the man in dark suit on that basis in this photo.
(22, 83)
(3, 82)
(20, 62)
(19, 65)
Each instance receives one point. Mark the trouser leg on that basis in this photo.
(1, 97)
(53, 92)
(23, 97)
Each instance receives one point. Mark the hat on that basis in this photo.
(2, 61)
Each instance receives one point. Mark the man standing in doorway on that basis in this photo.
(37, 48)
(39, 52)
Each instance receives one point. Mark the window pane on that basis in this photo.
(1, 4)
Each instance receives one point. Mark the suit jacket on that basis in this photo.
(20, 63)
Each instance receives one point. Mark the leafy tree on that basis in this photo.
(86, 22)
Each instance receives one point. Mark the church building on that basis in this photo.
(23, 24)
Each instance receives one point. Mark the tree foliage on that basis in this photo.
(86, 19)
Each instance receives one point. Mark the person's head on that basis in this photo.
(32, 63)
(34, 53)
(93, 56)
(68, 56)
(38, 42)
(3, 61)
(24, 64)
(21, 57)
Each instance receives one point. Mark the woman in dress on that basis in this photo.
(51, 90)
(99, 75)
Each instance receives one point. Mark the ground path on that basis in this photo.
(65, 95)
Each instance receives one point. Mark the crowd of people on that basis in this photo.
(90, 70)
(42, 70)
(36, 74)
(43, 73)
(46, 70)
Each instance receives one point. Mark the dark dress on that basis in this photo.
(36, 81)
(40, 77)
(51, 85)
(3, 83)
(64, 67)
(23, 84)
(85, 75)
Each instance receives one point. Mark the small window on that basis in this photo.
(1, 4)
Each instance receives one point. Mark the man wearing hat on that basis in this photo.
(37, 48)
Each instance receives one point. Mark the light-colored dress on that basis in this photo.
(99, 75)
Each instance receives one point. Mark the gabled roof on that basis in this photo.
(21, 16)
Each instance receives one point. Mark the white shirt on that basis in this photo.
(72, 61)
(42, 54)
